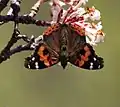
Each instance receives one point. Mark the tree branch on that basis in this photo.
(24, 20)
(3, 4)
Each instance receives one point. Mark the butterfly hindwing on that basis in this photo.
(41, 58)
(87, 59)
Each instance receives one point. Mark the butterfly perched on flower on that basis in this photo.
(64, 43)
(69, 37)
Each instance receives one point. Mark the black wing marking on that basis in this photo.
(87, 59)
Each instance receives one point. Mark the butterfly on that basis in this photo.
(64, 43)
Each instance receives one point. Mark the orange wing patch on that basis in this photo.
(83, 58)
(51, 29)
(45, 56)
(78, 29)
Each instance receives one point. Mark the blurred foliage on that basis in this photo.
(56, 87)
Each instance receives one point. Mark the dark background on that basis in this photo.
(55, 87)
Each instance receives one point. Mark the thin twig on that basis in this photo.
(3, 4)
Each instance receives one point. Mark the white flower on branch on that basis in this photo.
(95, 33)
(78, 14)
(55, 10)
(94, 14)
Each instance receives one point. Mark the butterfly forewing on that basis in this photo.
(75, 41)
(52, 37)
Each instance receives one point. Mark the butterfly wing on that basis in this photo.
(82, 54)
(51, 37)
(47, 54)
(43, 57)
(86, 58)
(75, 40)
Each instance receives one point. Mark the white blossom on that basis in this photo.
(78, 14)
(94, 14)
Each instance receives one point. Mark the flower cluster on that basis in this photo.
(85, 17)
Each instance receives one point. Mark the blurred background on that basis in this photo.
(55, 87)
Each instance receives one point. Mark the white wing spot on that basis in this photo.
(36, 65)
(91, 65)
(33, 59)
(94, 59)
(28, 66)
(99, 66)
